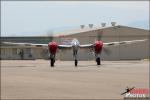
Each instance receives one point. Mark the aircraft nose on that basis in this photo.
(75, 43)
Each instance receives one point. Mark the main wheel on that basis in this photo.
(98, 60)
(52, 62)
(76, 62)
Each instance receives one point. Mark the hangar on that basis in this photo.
(85, 35)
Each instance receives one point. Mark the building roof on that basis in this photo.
(87, 29)
(79, 30)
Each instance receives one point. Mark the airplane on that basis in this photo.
(127, 90)
(97, 47)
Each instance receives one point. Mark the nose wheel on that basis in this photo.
(98, 60)
(76, 63)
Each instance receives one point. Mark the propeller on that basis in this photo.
(50, 34)
(99, 37)
(106, 51)
(99, 34)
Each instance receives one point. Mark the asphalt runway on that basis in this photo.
(35, 79)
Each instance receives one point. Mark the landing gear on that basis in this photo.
(98, 60)
(76, 62)
(52, 62)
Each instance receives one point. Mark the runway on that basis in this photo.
(35, 79)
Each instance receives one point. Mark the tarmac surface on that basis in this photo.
(35, 79)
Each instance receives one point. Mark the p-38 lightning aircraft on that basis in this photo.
(98, 46)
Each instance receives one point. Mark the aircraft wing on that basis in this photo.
(122, 43)
(34, 45)
(25, 44)
(86, 46)
(64, 46)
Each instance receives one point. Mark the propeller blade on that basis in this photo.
(107, 51)
(99, 35)
(50, 34)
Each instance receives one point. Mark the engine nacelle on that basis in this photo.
(52, 46)
(98, 46)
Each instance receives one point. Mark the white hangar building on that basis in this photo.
(85, 35)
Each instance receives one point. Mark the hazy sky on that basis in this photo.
(23, 18)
